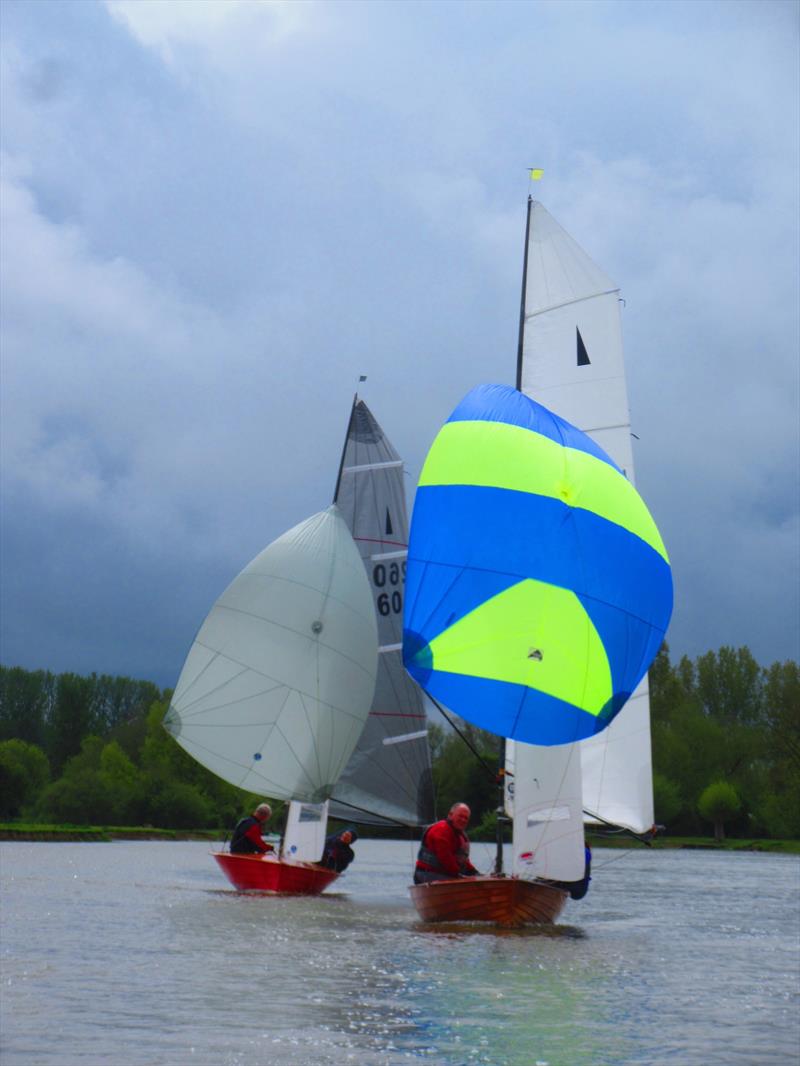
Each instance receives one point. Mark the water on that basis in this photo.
(139, 953)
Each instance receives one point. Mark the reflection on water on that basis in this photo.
(139, 953)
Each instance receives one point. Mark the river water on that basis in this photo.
(140, 953)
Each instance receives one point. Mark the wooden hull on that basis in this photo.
(257, 873)
(507, 901)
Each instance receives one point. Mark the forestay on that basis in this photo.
(388, 777)
(278, 683)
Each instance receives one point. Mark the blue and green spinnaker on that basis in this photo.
(538, 589)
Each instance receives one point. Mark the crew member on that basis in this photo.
(247, 838)
(444, 849)
(338, 854)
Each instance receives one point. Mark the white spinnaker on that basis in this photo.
(543, 796)
(278, 683)
(306, 826)
(572, 362)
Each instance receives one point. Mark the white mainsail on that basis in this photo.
(571, 361)
(278, 683)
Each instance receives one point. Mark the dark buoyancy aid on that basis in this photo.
(240, 844)
(427, 859)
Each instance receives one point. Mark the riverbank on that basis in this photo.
(105, 833)
(102, 833)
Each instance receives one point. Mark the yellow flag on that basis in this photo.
(536, 174)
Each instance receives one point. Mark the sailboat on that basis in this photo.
(289, 688)
(539, 589)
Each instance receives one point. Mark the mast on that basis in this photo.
(501, 766)
(522, 298)
(344, 449)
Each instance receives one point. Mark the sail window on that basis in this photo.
(583, 355)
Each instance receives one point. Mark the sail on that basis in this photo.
(306, 826)
(571, 361)
(543, 798)
(278, 683)
(388, 777)
(538, 587)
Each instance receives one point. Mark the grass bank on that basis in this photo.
(32, 831)
(664, 843)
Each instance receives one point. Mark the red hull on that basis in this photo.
(507, 901)
(256, 873)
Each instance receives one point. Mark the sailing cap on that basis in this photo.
(351, 829)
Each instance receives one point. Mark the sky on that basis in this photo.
(216, 216)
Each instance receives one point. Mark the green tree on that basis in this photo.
(718, 803)
(667, 799)
(72, 718)
(24, 772)
(26, 700)
(81, 796)
(730, 685)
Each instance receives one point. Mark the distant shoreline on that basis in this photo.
(106, 834)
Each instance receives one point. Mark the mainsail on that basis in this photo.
(571, 360)
(278, 683)
(388, 777)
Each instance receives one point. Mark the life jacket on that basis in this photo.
(429, 860)
(240, 844)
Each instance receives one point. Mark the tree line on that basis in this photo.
(93, 751)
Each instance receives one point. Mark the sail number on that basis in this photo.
(390, 601)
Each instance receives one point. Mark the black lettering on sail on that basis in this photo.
(583, 355)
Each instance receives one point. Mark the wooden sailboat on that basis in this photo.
(522, 615)
(294, 686)
(506, 901)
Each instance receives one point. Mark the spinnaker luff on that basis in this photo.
(538, 588)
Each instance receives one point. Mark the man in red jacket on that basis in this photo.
(444, 850)
(247, 838)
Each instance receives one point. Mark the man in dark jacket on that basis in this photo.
(247, 838)
(444, 850)
(338, 854)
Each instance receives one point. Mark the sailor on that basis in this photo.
(578, 889)
(247, 838)
(444, 849)
(338, 854)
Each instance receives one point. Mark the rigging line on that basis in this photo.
(492, 773)
(372, 814)
(647, 841)
(602, 865)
